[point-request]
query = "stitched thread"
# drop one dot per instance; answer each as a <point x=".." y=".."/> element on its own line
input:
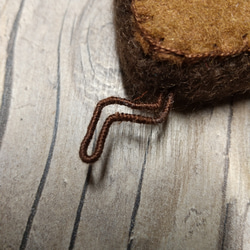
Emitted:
<point x="155" y="47"/>
<point x="163" y="108"/>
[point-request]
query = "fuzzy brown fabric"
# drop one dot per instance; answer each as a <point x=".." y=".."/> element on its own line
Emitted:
<point x="197" y="72"/>
<point x="193" y="29"/>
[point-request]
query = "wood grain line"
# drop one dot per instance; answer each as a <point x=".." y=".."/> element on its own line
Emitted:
<point x="244" y="221"/>
<point x="51" y="150"/>
<point x="8" y="77"/>
<point x="79" y="209"/>
<point x="138" y="197"/>
<point x="225" y="225"/>
<point x="81" y="202"/>
<point x="85" y="9"/>
<point x="88" y="50"/>
<point x="224" y="206"/>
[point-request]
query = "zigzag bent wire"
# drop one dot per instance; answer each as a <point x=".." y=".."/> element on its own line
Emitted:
<point x="162" y="107"/>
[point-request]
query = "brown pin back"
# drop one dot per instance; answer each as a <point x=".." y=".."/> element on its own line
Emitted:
<point x="196" y="52"/>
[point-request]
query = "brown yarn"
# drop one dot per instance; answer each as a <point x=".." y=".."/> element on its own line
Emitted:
<point x="162" y="106"/>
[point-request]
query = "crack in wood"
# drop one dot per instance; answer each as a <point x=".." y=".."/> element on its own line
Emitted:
<point x="8" y="77"/>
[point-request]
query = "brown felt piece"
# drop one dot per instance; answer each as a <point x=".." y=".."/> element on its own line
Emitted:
<point x="193" y="28"/>
<point x="197" y="49"/>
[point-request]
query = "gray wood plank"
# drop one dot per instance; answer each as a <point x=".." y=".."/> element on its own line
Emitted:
<point x="184" y="184"/>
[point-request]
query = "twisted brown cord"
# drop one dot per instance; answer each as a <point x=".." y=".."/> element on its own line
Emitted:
<point x="163" y="108"/>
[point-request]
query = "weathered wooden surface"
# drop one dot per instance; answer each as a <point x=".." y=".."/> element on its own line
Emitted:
<point x="181" y="185"/>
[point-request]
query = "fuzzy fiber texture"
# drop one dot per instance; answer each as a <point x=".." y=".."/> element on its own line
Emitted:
<point x="192" y="28"/>
<point x="197" y="49"/>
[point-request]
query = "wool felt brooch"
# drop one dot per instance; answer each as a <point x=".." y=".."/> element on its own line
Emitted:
<point x="191" y="52"/>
